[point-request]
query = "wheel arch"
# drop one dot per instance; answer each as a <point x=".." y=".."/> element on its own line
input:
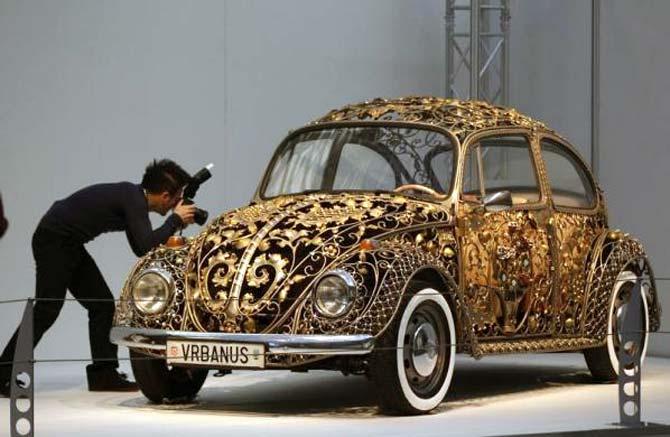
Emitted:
<point x="443" y="281"/>
<point x="613" y="252"/>
<point x="434" y="276"/>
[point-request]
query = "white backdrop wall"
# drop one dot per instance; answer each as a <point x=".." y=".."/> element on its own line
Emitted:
<point x="550" y="63"/>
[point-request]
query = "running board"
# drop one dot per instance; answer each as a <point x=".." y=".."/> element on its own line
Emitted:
<point x="536" y="345"/>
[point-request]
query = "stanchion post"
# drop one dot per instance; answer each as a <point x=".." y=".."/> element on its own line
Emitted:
<point x="630" y="350"/>
<point x="22" y="393"/>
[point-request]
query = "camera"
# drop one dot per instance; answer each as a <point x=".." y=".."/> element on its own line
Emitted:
<point x="191" y="189"/>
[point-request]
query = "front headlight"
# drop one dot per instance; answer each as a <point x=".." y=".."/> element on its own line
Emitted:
<point x="152" y="290"/>
<point x="335" y="293"/>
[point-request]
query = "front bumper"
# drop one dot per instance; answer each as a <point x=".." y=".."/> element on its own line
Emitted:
<point x="156" y="339"/>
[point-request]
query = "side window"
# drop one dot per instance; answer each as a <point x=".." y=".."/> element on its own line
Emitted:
<point x="569" y="180"/>
<point x="506" y="165"/>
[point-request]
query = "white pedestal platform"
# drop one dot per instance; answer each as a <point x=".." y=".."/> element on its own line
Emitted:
<point x="494" y="396"/>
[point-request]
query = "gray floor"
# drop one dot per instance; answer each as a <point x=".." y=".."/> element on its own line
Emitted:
<point x="494" y="396"/>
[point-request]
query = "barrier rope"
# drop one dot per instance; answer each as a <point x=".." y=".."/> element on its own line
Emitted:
<point x="11" y="301"/>
<point x="382" y="348"/>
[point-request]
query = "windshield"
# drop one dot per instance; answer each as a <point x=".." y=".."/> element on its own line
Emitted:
<point x="370" y="158"/>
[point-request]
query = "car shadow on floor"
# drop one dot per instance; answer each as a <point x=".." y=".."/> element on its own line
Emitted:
<point x="278" y="393"/>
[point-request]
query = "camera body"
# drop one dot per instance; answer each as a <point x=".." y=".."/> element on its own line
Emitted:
<point x="200" y="216"/>
<point x="190" y="190"/>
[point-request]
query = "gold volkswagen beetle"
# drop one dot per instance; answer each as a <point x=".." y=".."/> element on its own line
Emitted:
<point x="383" y="239"/>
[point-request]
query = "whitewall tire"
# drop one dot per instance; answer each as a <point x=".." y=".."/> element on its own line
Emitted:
<point x="414" y="361"/>
<point x="603" y="361"/>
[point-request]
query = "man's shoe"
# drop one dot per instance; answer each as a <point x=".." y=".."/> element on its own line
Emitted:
<point x="108" y="379"/>
<point x="5" y="377"/>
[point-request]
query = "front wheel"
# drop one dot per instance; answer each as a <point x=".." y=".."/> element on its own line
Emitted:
<point x="413" y="362"/>
<point x="603" y="361"/>
<point x="159" y="383"/>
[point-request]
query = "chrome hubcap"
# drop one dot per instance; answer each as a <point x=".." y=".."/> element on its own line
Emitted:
<point x="424" y="349"/>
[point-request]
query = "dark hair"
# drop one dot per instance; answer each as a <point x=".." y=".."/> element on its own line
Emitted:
<point x="164" y="175"/>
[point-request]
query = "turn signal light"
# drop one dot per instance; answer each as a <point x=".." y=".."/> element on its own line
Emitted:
<point x="368" y="245"/>
<point x="175" y="241"/>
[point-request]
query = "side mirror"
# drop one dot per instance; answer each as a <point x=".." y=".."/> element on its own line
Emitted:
<point x="498" y="201"/>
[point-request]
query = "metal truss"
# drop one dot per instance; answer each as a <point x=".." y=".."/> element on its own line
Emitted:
<point x="478" y="35"/>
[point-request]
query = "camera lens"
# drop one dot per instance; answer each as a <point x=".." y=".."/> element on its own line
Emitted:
<point x="200" y="216"/>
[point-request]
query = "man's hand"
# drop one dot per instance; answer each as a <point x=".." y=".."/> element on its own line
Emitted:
<point x="185" y="212"/>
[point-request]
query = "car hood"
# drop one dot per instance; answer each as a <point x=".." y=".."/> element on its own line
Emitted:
<point x="253" y="263"/>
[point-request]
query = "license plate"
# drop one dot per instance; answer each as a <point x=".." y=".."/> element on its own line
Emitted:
<point x="212" y="354"/>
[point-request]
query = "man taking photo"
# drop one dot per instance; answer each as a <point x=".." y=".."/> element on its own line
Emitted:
<point x="62" y="263"/>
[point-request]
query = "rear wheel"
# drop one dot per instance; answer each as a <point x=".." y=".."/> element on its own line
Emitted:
<point x="159" y="383"/>
<point x="413" y="363"/>
<point x="603" y="361"/>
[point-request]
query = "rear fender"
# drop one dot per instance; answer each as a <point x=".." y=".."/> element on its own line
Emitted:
<point x="613" y="252"/>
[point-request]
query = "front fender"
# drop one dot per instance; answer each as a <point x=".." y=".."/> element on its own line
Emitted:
<point x="382" y="275"/>
<point x="173" y="260"/>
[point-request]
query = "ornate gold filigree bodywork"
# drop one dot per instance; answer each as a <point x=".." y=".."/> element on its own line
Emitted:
<point x="614" y="252"/>
<point x="524" y="279"/>
<point x="460" y="117"/>
<point x="174" y="262"/>
<point x="253" y="269"/>
<point x="507" y="272"/>
<point x="575" y="237"/>
<point x="255" y="277"/>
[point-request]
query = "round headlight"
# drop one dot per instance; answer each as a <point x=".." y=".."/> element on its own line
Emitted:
<point x="335" y="293"/>
<point x="151" y="291"/>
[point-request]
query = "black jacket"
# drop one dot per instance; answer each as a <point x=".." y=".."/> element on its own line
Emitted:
<point x="102" y="208"/>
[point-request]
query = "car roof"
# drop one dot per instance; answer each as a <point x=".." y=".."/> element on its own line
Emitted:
<point x="460" y="117"/>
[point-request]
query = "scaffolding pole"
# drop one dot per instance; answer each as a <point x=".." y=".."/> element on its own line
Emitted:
<point x="477" y="50"/>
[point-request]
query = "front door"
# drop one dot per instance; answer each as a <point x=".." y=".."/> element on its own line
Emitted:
<point x="505" y="250"/>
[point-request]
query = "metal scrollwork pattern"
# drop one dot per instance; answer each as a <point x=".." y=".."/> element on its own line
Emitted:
<point x="461" y="117"/>
<point x="506" y="272"/>
<point x="252" y="268"/>
<point x="575" y="235"/>
<point x="381" y="276"/>
<point x="522" y="280"/>
<point x="614" y="252"/>
<point x="172" y="260"/>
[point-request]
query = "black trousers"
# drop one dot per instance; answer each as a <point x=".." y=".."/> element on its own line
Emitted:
<point x="61" y="265"/>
